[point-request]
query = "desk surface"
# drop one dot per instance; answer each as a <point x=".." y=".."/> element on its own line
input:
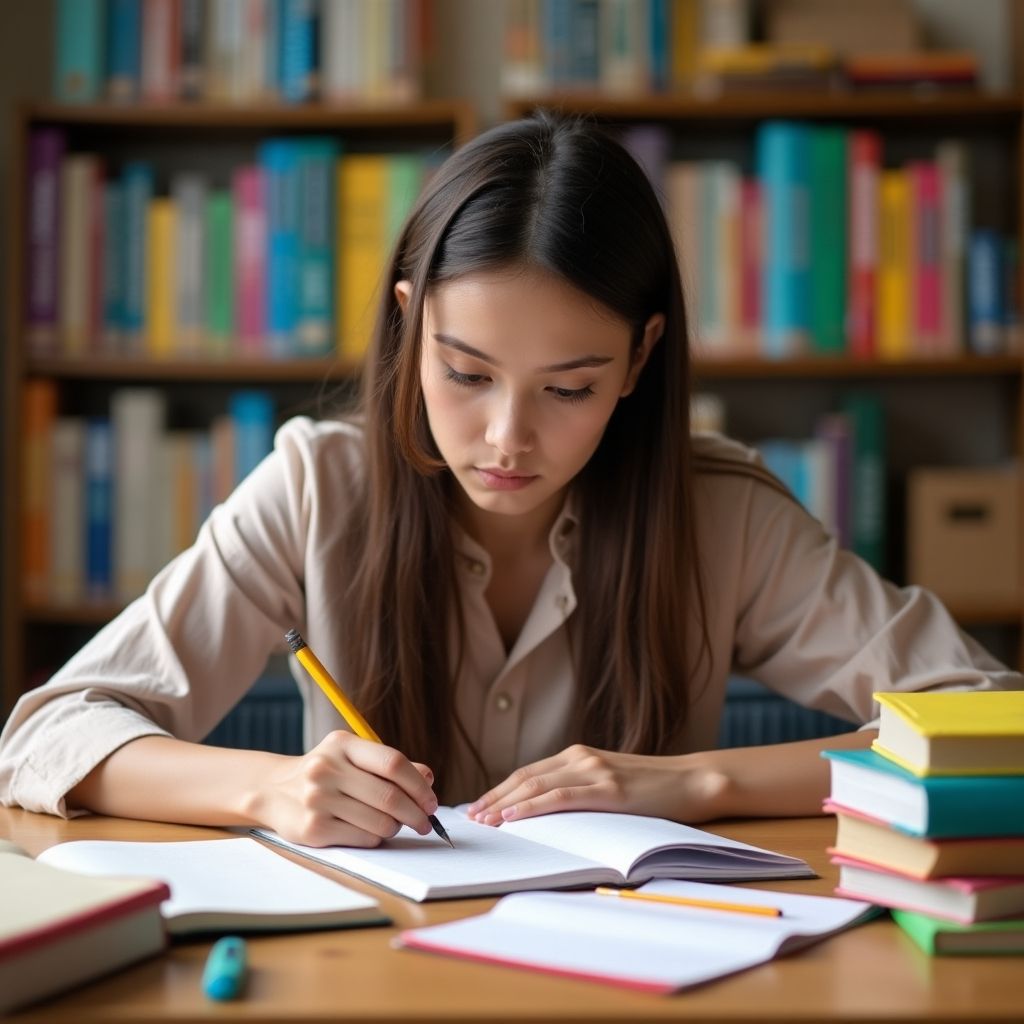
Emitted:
<point x="871" y="973"/>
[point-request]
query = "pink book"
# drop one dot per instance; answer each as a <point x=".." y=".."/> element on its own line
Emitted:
<point x="161" y="54"/>
<point x="750" y="264"/>
<point x="250" y="260"/>
<point x="927" y="270"/>
<point x="865" y="156"/>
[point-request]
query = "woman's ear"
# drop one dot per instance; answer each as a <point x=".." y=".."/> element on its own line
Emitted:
<point x="653" y="330"/>
<point x="403" y="292"/>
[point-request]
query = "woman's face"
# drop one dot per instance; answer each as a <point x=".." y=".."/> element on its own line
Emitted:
<point x="520" y="374"/>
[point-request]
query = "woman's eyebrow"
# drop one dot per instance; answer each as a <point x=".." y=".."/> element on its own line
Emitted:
<point x="570" y="364"/>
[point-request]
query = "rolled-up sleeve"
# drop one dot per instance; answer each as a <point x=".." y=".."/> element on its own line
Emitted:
<point x="818" y="625"/>
<point x="181" y="655"/>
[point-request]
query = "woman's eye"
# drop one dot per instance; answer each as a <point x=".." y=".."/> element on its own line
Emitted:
<point x="572" y="394"/>
<point x="466" y="380"/>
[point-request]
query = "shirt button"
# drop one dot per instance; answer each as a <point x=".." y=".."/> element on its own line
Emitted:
<point x="503" y="702"/>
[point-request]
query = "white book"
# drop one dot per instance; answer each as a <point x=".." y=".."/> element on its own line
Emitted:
<point x="553" y="851"/>
<point x="650" y="946"/>
<point x="137" y="416"/>
<point x="189" y="194"/>
<point x="224" y="884"/>
<point x="67" y="518"/>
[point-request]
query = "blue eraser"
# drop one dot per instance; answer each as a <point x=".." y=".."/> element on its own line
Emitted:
<point x="224" y="973"/>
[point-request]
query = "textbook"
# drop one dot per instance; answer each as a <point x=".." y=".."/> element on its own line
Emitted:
<point x="867" y="839"/>
<point x="218" y="885"/>
<point x="59" y="929"/>
<point x="641" y="945"/>
<point x="965" y="900"/>
<point x="938" y="938"/>
<point x="937" y="807"/>
<point x="552" y="851"/>
<point x="953" y="733"/>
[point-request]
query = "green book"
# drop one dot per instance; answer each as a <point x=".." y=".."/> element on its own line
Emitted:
<point x="405" y="179"/>
<point x="827" y="267"/>
<point x="947" y="938"/>
<point x="867" y="475"/>
<point x="220" y="271"/>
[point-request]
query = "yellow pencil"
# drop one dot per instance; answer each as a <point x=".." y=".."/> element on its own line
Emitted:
<point x="686" y="901"/>
<point x="334" y="693"/>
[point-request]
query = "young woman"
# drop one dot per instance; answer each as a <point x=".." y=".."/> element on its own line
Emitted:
<point x="513" y="556"/>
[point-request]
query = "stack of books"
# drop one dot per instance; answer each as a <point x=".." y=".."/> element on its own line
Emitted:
<point x="930" y="822"/>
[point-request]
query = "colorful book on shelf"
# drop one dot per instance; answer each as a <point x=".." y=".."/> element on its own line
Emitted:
<point x="224" y="885"/>
<point x="827" y="275"/>
<point x="279" y="165"/>
<point x="219" y="259"/>
<point x="926" y="286"/>
<point x="61" y="928"/>
<point x="867" y="476"/>
<point x="953" y="162"/>
<point x="46" y="154"/>
<point x="553" y="851"/>
<point x="639" y="944"/>
<point x="865" y="155"/>
<point x="124" y="50"/>
<point x="161" y="321"/>
<point x="873" y="841"/>
<point x="948" y="938"/>
<point x="940" y="807"/>
<point x="39" y="411"/>
<point x="953" y="732"/>
<point x="894" y="278"/>
<point x="79" y="57"/>
<point x="250" y="252"/>
<point x="986" y="308"/>
<point x="967" y="899"/>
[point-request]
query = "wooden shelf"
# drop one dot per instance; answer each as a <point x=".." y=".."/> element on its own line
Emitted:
<point x="843" y="366"/>
<point x="986" y="614"/>
<point x="834" y="105"/>
<point x="227" y="371"/>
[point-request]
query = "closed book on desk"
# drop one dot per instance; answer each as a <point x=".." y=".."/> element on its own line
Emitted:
<point x="953" y="733"/>
<point x="642" y="945"/>
<point x="957" y="899"/>
<point x="219" y="885"/>
<point x="938" y="938"/>
<point x="982" y="805"/>
<point x="552" y="851"/>
<point x="59" y="929"/>
<point x="868" y="839"/>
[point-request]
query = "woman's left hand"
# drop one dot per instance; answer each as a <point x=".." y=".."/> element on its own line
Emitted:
<point x="581" y="778"/>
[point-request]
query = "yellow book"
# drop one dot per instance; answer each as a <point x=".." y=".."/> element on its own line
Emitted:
<point x="953" y="732"/>
<point x="893" y="295"/>
<point x="362" y="248"/>
<point x="160" y="317"/>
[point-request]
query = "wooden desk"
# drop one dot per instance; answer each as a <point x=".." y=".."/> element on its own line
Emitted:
<point x="872" y="973"/>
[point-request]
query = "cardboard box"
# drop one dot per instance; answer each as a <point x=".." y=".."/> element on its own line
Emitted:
<point x="963" y="534"/>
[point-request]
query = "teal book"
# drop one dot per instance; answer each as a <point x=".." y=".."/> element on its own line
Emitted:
<point x="868" y="481"/>
<point x="78" y="61"/>
<point x="947" y="938"/>
<point x="827" y="271"/>
<point x="938" y="807"/>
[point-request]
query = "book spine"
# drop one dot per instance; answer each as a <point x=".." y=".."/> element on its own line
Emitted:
<point x="750" y="265"/>
<point x="113" y="270"/>
<point x="67" y="520"/>
<point x="220" y="273"/>
<point x="160" y="50"/>
<point x="252" y="66"/>
<point x="138" y="417"/>
<point x="46" y="154"/>
<point x="222" y="445"/>
<point x="867" y="477"/>
<point x="188" y="192"/>
<point x="557" y="29"/>
<point x="78" y="175"/>
<point x="40" y="412"/>
<point x="97" y="245"/>
<point x="272" y="48"/>
<point x="927" y="308"/>
<point x="79" y="59"/>
<point x="686" y="42"/>
<point x="625" y="64"/>
<point x="865" y="156"/>
<point x="252" y="414"/>
<point x="138" y="192"/>
<point x="250" y="222"/>
<point x="659" y="45"/>
<point x="281" y="169"/>
<point x="318" y="159"/>
<point x="783" y="165"/>
<point x="99" y="487"/>
<point x="894" y="266"/>
<point x="161" y="319"/>
<point x="191" y="77"/>
<point x="124" y="50"/>
<point x="297" y="65"/>
<point x="985" y="292"/>
<point x="827" y="272"/>
<point x="954" y="226"/>
<point x="585" y="44"/>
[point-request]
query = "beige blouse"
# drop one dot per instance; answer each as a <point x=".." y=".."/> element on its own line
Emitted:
<point x="785" y="605"/>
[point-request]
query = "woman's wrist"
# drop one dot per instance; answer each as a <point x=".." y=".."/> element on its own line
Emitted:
<point x="708" y="789"/>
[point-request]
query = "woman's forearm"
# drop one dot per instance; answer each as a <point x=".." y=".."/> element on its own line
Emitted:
<point x="776" y="781"/>
<point x="163" y="779"/>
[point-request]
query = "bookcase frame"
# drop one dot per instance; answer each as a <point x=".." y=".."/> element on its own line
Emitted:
<point x="440" y="122"/>
<point x="1000" y="114"/>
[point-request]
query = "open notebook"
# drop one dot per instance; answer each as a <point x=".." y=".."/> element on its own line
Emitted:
<point x="224" y="884"/>
<point x="554" y="851"/>
<point x="648" y="946"/>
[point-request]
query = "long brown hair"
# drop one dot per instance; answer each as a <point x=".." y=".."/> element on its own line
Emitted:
<point x="558" y="195"/>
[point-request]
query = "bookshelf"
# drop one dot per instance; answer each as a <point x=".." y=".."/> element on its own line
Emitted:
<point x="38" y="635"/>
<point x="959" y="409"/>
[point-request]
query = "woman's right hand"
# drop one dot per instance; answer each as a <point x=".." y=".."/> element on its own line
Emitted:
<point x="346" y="791"/>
